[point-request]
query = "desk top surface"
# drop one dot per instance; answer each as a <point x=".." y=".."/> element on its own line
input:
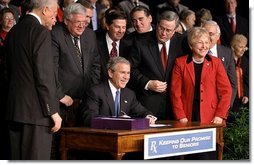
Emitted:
<point x="170" y="127"/>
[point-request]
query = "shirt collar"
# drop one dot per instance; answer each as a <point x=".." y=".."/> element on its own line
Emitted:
<point x="189" y="58"/>
<point x="36" y="16"/>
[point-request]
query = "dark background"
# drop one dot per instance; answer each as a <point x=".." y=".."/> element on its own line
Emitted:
<point x="215" y="6"/>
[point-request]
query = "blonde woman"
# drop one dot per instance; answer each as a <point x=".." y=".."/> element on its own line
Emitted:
<point x="239" y="46"/>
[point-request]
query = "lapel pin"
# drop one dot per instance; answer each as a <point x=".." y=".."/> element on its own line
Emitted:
<point x="223" y="59"/>
<point x="125" y="101"/>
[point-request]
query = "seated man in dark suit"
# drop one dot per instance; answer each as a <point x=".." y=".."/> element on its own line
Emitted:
<point x="100" y="100"/>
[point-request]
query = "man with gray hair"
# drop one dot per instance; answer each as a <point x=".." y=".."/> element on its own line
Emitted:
<point x="152" y="56"/>
<point x="76" y="62"/>
<point x="32" y="106"/>
<point x="222" y="52"/>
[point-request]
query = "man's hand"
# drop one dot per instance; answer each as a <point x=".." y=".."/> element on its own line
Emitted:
<point x="157" y="86"/>
<point x="57" y="122"/>
<point x="67" y="100"/>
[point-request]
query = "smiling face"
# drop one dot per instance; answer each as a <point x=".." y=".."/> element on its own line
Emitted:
<point x="120" y="76"/>
<point x="49" y="15"/>
<point x="77" y="24"/>
<point x="200" y="46"/>
<point x="141" y="22"/>
<point x="117" y="29"/>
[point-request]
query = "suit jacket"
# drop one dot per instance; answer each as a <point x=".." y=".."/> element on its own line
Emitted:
<point x="166" y="6"/>
<point x="146" y="65"/>
<point x="100" y="102"/>
<point x="98" y="8"/>
<point x="226" y="56"/>
<point x="104" y="53"/>
<point x="32" y="93"/>
<point x="242" y="27"/>
<point x="215" y="89"/>
<point x="72" y="79"/>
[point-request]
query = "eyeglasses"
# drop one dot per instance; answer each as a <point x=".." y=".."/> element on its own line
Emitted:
<point x="9" y="18"/>
<point x="211" y="34"/>
<point x="168" y="31"/>
<point x="77" y="23"/>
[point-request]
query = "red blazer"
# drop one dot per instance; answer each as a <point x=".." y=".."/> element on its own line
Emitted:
<point x="215" y="89"/>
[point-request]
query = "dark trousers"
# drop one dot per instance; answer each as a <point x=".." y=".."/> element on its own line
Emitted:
<point x="29" y="142"/>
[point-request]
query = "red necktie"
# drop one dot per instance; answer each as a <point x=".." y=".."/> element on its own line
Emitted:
<point x="164" y="56"/>
<point x="113" y="52"/>
<point x="232" y="23"/>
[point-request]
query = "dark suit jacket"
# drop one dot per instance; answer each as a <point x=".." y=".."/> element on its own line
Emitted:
<point x="147" y="65"/>
<point x="71" y="78"/>
<point x="104" y="53"/>
<point x="226" y="56"/>
<point x="242" y="27"/>
<point x="100" y="102"/>
<point x="32" y="92"/>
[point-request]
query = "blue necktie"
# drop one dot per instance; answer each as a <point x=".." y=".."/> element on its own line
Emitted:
<point x="117" y="103"/>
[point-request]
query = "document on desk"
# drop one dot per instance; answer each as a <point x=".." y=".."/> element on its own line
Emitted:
<point x="159" y="125"/>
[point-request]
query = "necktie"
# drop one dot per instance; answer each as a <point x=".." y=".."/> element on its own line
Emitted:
<point x="117" y="103"/>
<point x="239" y="76"/>
<point x="94" y="18"/>
<point x="78" y="53"/>
<point x="232" y="23"/>
<point x="163" y="54"/>
<point x="113" y="52"/>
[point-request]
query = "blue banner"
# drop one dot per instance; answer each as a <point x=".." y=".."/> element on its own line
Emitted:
<point x="179" y="143"/>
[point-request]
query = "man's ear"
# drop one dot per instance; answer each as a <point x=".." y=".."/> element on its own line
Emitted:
<point x="110" y="73"/>
<point x="44" y="10"/>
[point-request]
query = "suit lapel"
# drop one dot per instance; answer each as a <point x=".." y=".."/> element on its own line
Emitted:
<point x="109" y="98"/>
<point x="124" y="101"/>
<point x="221" y="55"/>
<point x="84" y="49"/>
<point x="190" y="68"/>
<point x="155" y="53"/>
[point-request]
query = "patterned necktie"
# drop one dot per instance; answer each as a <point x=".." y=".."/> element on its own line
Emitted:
<point x="117" y="103"/>
<point x="78" y="53"/>
<point x="113" y="52"/>
<point x="232" y="23"/>
<point x="163" y="54"/>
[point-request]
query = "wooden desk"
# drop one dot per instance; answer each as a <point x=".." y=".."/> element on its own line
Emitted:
<point x="119" y="142"/>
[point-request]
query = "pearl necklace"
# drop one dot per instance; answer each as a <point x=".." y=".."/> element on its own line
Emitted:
<point x="197" y="62"/>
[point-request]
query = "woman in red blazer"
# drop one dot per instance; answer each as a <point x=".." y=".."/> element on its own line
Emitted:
<point x="200" y="88"/>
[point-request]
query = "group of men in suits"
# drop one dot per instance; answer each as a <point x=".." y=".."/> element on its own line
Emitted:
<point x="79" y="61"/>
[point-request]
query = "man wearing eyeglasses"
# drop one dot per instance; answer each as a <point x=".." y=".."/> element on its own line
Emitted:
<point x="152" y="57"/>
<point x="222" y="52"/>
<point x="76" y="61"/>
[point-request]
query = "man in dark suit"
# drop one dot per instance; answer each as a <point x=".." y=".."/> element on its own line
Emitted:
<point x="76" y="69"/>
<point x="101" y="98"/>
<point x="116" y="28"/>
<point x="241" y="24"/>
<point x="76" y="62"/>
<point x="150" y="78"/>
<point x="222" y="52"/>
<point x="32" y="106"/>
